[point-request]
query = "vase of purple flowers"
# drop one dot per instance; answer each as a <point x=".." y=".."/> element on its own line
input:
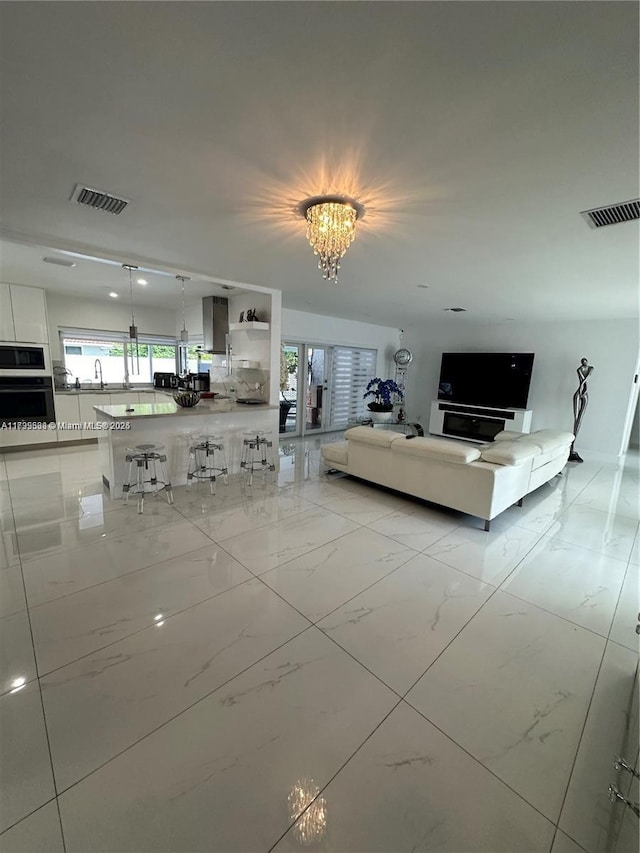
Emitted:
<point x="382" y="391"/>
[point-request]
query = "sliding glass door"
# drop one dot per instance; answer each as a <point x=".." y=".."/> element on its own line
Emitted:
<point x="324" y="387"/>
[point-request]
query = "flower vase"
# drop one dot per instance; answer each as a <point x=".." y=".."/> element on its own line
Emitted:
<point x="382" y="417"/>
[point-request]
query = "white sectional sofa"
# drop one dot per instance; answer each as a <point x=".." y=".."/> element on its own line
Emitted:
<point x="482" y="480"/>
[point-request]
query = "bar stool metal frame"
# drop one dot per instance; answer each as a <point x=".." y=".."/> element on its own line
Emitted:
<point x="148" y="458"/>
<point x="200" y="468"/>
<point x="255" y="452"/>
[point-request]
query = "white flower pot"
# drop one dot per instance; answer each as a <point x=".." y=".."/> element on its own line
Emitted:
<point x="382" y="417"/>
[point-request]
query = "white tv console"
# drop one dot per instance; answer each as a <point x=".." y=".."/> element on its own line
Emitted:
<point x="476" y="423"/>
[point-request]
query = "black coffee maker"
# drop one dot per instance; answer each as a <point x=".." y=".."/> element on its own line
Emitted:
<point x="200" y="381"/>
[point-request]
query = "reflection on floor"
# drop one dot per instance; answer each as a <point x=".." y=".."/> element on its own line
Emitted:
<point x="312" y="663"/>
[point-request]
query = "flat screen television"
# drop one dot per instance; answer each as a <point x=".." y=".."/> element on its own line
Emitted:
<point x="497" y="379"/>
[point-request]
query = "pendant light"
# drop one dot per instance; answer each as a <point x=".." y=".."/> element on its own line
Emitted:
<point x="133" y="329"/>
<point x="184" y="334"/>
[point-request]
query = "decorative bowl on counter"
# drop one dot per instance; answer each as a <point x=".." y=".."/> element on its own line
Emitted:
<point x="186" y="399"/>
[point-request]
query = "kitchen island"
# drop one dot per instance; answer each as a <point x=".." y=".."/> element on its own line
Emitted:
<point x="123" y="426"/>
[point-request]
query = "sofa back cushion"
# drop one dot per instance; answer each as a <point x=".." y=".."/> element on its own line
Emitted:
<point x="367" y="435"/>
<point x="550" y="439"/>
<point x="434" y="448"/>
<point x="518" y="452"/>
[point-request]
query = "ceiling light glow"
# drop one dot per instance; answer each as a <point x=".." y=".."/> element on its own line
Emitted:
<point x="142" y="281"/>
<point x="113" y="294"/>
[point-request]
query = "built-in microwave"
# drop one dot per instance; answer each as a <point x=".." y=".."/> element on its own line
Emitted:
<point x="18" y="359"/>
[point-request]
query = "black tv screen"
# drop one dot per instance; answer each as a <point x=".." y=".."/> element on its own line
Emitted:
<point x="496" y="379"/>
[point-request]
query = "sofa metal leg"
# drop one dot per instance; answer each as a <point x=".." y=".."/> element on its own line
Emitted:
<point x="487" y="525"/>
<point x="520" y="502"/>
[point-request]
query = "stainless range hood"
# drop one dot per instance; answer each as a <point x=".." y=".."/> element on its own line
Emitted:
<point x="215" y="324"/>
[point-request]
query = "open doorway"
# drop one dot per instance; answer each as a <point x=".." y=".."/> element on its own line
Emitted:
<point x="322" y="387"/>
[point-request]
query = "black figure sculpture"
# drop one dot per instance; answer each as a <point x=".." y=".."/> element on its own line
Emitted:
<point x="580" y="401"/>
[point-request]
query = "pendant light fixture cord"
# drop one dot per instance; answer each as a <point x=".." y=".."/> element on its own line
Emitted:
<point x="133" y="329"/>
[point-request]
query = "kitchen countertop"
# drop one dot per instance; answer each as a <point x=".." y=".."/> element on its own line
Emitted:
<point x="171" y="409"/>
<point x="109" y="390"/>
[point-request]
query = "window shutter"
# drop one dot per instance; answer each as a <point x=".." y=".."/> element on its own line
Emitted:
<point x="352" y="370"/>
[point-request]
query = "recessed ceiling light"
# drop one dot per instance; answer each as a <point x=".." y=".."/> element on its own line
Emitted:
<point x="142" y="281"/>
<point x="113" y="294"/>
<point x="455" y="310"/>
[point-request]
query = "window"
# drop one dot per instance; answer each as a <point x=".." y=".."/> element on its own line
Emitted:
<point x="81" y="348"/>
<point x="352" y="369"/>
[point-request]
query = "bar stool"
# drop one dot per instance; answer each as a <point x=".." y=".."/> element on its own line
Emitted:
<point x="150" y="461"/>
<point x="256" y="452"/>
<point x="207" y="458"/>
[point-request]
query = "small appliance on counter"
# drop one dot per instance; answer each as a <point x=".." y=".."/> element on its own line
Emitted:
<point x="201" y="381"/>
<point x="165" y="380"/>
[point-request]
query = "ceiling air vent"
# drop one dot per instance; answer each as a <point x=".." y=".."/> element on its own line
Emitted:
<point x="455" y="310"/>
<point x="98" y="199"/>
<point x="612" y="214"/>
<point x="59" y="262"/>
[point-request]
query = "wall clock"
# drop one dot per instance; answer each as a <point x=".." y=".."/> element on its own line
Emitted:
<point x="403" y="357"/>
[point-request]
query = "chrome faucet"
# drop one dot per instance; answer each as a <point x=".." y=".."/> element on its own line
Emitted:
<point x="97" y="364"/>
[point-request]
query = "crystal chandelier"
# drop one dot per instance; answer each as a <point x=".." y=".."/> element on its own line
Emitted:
<point x="331" y="229"/>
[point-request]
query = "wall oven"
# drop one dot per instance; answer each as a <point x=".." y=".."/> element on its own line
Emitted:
<point x="24" y="359"/>
<point x="26" y="399"/>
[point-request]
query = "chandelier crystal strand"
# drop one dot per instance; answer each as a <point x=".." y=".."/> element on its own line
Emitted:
<point x="331" y="228"/>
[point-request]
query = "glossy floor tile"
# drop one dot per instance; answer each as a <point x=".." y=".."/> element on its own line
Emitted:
<point x="400" y="625"/>
<point x="570" y="581"/>
<point x="490" y="557"/>
<point x="40" y="832"/>
<point x="600" y="531"/>
<point x="320" y="581"/>
<point x="123" y="692"/>
<point x="410" y="788"/>
<point x="529" y="702"/>
<point x="26" y="780"/>
<point x="17" y="663"/>
<point x="228" y="673"/>
<point x="297" y="714"/>
<point x="71" y="627"/>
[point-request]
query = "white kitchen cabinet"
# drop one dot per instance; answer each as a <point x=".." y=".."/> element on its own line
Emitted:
<point x="67" y="410"/>
<point x="126" y="398"/>
<point x="87" y="413"/>
<point x="19" y="437"/>
<point x="29" y="314"/>
<point x="7" y="331"/>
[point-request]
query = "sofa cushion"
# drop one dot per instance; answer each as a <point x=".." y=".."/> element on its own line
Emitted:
<point x="508" y="435"/>
<point x="550" y="439"/>
<point x="434" y="448"/>
<point x="368" y="435"/>
<point x="336" y="453"/>
<point x="516" y="452"/>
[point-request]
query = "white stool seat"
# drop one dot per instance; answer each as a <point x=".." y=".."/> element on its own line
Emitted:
<point x="150" y="461"/>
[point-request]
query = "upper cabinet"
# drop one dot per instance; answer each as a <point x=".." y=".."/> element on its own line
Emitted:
<point x="23" y="315"/>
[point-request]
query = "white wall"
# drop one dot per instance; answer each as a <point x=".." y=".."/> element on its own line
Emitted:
<point x="300" y="326"/>
<point x="611" y="346"/>
<point x="634" y="439"/>
<point x="111" y="315"/>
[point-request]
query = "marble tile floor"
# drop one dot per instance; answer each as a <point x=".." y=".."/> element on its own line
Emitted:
<point x="312" y="664"/>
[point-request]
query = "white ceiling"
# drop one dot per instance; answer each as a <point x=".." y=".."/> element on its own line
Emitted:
<point x="473" y="132"/>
